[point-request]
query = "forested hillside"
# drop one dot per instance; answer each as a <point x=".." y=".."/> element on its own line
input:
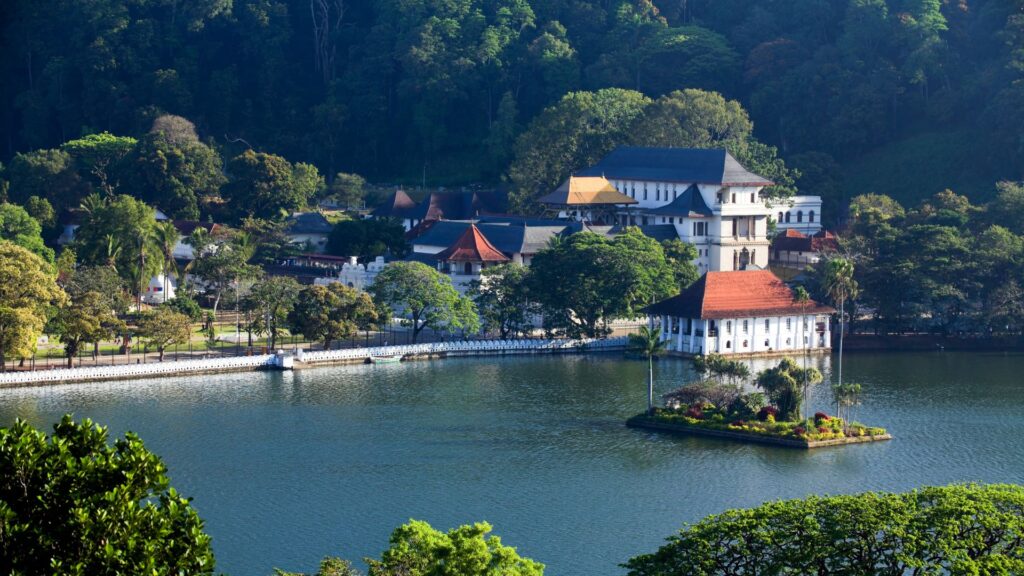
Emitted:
<point x="906" y="96"/>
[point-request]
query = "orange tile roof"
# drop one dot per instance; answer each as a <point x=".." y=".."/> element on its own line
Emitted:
<point x="472" y="246"/>
<point x="745" y="293"/>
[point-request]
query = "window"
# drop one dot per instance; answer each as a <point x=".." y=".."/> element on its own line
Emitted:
<point x="787" y="217"/>
<point x="728" y="344"/>
<point x="810" y="216"/>
<point x="719" y="197"/>
<point x="645" y="191"/>
<point x="733" y="199"/>
<point x="728" y="327"/>
<point x="752" y="200"/>
<point x="780" y="217"/>
<point x="746" y="326"/>
<point x="767" y="344"/>
<point x="767" y="324"/>
<point x="789" y="323"/>
<point x="805" y="323"/>
<point x="799" y="215"/>
<point x="744" y="343"/>
<point x="469" y="268"/>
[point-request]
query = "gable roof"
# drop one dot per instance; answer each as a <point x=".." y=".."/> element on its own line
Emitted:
<point x="736" y="294"/>
<point x="396" y="206"/>
<point x="586" y="190"/>
<point x="692" y="165"/>
<point x="308" y="223"/>
<point x="689" y="204"/>
<point x="472" y="246"/>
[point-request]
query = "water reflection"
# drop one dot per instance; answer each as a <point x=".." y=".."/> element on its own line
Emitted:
<point x="286" y="468"/>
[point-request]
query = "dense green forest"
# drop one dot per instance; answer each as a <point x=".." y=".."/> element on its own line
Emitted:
<point x="902" y="97"/>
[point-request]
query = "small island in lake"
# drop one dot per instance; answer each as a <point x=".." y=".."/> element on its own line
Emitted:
<point x="718" y="407"/>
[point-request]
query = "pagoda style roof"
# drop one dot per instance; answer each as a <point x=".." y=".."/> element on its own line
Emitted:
<point x="689" y="204"/>
<point x="737" y="294"/>
<point x="586" y="191"/>
<point x="397" y="205"/>
<point x="472" y="246"/>
<point x="690" y="165"/>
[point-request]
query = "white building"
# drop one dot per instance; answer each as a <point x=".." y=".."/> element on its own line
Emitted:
<point x="749" y="312"/>
<point x="353" y="274"/>
<point x="309" y="230"/>
<point x="712" y="201"/>
<point x="802" y="214"/>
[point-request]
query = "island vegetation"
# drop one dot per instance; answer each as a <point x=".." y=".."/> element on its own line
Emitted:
<point x="718" y="406"/>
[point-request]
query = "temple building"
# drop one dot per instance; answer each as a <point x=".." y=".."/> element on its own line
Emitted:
<point x="587" y="199"/>
<point x="440" y="206"/>
<point x="707" y="195"/>
<point x="467" y="257"/>
<point x="749" y="312"/>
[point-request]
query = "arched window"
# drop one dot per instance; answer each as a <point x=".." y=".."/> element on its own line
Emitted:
<point x="810" y="217"/>
<point x="800" y="216"/>
<point x="787" y="217"/>
<point x="780" y="217"/>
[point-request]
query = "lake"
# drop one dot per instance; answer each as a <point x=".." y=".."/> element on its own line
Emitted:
<point x="288" y="467"/>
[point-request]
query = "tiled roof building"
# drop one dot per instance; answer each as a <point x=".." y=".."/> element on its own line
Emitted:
<point x="742" y="312"/>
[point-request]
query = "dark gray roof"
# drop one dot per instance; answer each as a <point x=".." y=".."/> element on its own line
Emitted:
<point x="688" y="204"/>
<point x="308" y="223"/>
<point x="692" y="165"/>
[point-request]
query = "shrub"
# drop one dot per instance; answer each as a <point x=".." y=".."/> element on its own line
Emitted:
<point x="820" y="417"/>
<point x="695" y="412"/>
<point x="767" y="412"/>
<point x="747" y="405"/>
<point x="183" y="304"/>
<point x="799" y="431"/>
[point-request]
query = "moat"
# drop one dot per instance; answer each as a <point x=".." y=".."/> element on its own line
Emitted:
<point x="288" y="467"/>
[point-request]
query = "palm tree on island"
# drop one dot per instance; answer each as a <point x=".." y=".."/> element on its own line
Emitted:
<point x="839" y="285"/>
<point x="647" y="342"/>
<point x="803" y="299"/>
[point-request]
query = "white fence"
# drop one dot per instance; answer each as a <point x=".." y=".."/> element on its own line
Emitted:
<point x="269" y="360"/>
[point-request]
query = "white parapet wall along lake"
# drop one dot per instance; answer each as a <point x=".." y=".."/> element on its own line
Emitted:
<point x="284" y="360"/>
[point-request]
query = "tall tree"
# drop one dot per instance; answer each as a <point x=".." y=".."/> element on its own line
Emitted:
<point x="840" y="286"/>
<point x="86" y="318"/>
<point x="332" y="312"/>
<point x="502" y="296"/>
<point x="266" y="186"/>
<point x="424" y="297"/>
<point x="273" y="299"/>
<point x="648" y="342"/>
<point x="18" y="227"/>
<point x="28" y="289"/>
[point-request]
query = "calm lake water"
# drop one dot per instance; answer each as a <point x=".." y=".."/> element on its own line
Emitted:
<point x="287" y="468"/>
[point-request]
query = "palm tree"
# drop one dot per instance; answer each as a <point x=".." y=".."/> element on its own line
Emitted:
<point x="166" y="237"/>
<point x="803" y="299"/>
<point x="839" y="285"/>
<point x="648" y="342"/>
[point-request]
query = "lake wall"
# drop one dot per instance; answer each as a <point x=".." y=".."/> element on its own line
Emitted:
<point x="283" y="360"/>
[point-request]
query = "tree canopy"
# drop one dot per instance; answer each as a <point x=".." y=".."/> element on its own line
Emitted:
<point x="962" y="529"/>
<point x="425" y="298"/>
<point x="71" y="503"/>
<point x="28" y="289"/>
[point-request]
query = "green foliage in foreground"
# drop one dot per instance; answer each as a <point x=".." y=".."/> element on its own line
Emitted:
<point x="417" y="549"/>
<point x="961" y="529"/>
<point x="71" y="504"/>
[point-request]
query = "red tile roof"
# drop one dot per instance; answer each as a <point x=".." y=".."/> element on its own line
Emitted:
<point x="794" y="241"/>
<point x="745" y="293"/>
<point x="472" y="246"/>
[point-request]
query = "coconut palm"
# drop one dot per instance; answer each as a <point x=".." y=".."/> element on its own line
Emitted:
<point x="166" y="237"/>
<point x="648" y="342"/>
<point x="839" y="285"/>
<point x="802" y="298"/>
